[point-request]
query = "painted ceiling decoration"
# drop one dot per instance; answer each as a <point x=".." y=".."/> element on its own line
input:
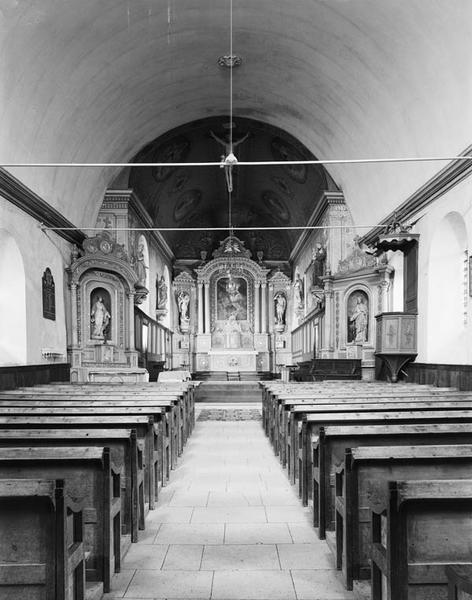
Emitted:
<point x="278" y="196"/>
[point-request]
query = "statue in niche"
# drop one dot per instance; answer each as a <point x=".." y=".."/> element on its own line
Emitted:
<point x="298" y="294"/>
<point x="161" y="293"/>
<point x="99" y="319"/>
<point x="140" y="266"/>
<point x="280" y="306"/>
<point x="183" y="300"/>
<point x="358" y="318"/>
<point x="319" y="260"/>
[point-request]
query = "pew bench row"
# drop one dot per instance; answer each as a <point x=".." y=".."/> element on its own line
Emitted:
<point x="109" y="453"/>
<point x="389" y="475"/>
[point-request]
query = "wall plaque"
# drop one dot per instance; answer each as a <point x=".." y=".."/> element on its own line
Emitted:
<point x="49" y="295"/>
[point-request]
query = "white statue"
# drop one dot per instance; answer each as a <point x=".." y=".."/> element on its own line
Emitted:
<point x="280" y="305"/>
<point x="183" y="300"/>
<point x="140" y="266"/>
<point x="360" y="319"/>
<point x="100" y="317"/>
<point x="161" y="293"/>
<point x="298" y="292"/>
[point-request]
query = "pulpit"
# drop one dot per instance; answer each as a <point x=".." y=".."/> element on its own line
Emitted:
<point x="396" y="340"/>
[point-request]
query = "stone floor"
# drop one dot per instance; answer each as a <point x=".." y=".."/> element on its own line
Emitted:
<point x="228" y="527"/>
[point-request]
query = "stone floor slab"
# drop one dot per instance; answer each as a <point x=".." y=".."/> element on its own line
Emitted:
<point x="236" y="514"/>
<point x="170" y="584"/>
<point x="305" y="556"/>
<point x="319" y="585"/>
<point x="268" y="533"/>
<point x="252" y="585"/>
<point x="240" y="557"/>
<point x="179" y="533"/>
<point x="183" y="557"/>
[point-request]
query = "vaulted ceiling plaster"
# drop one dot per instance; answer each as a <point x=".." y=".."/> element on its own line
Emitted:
<point x="95" y="80"/>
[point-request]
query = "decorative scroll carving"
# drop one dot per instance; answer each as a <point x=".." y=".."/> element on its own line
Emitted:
<point x="104" y="244"/>
<point x="357" y="260"/>
<point x="49" y="295"/>
<point x="232" y="246"/>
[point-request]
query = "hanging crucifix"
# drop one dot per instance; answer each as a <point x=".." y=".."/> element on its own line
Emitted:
<point x="228" y="159"/>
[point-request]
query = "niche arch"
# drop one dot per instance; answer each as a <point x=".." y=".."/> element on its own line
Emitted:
<point x="445" y="326"/>
<point x="349" y="307"/>
<point x="13" y="330"/>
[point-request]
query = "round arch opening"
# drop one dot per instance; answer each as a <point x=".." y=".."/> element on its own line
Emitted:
<point x="445" y="326"/>
<point x="13" y="345"/>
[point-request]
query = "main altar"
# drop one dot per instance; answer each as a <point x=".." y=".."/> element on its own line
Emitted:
<point x="230" y="321"/>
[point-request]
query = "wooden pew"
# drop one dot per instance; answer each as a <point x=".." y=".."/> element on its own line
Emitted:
<point x="275" y="393"/>
<point x="146" y="430"/>
<point x="294" y="408"/>
<point x="383" y="415"/>
<point x="41" y="541"/>
<point x="419" y="527"/>
<point x="168" y="408"/>
<point x="329" y="446"/>
<point x="293" y="412"/>
<point x="366" y="470"/>
<point x="283" y="402"/>
<point x="459" y="579"/>
<point x="160" y="412"/>
<point x="90" y="478"/>
<point x="126" y="453"/>
<point x="185" y="393"/>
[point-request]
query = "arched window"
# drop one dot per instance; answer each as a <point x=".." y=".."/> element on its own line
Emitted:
<point x="445" y="331"/>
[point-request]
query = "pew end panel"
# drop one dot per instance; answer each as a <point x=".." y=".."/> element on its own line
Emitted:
<point x="41" y="541"/>
<point x="418" y="529"/>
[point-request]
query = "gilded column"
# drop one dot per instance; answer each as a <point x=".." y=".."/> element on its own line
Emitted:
<point x="207" y="307"/>
<point x="264" y="308"/>
<point x="131" y="321"/>
<point x="73" y="295"/>
<point x="200" y="307"/>
<point x="257" y="307"/>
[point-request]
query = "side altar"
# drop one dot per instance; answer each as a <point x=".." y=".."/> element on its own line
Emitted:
<point x="232" y="303"/>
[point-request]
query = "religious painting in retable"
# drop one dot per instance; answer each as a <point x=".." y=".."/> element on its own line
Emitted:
<point x="231" y="298"/>
<point x="358" y="317"/>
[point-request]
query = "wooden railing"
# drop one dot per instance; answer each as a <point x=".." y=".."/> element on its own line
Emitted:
<point x="305" y="340"/>
<point x="153" y="342"/>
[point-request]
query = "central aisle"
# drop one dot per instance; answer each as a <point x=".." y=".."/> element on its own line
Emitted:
<point x="228" y="527"/>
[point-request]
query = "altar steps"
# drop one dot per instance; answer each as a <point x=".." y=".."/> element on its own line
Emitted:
<point x="232" y="376"/>
<point x="228" y="392"/>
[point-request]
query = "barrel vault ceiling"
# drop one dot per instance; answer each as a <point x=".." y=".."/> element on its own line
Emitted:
<point x="100" y="80"/>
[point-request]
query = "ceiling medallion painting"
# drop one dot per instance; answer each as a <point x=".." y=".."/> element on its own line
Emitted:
<point x="277" y="208"/>
<point x="187" y="204"/>
<point x="174" y="151"/>
<point x="283" y="150"/>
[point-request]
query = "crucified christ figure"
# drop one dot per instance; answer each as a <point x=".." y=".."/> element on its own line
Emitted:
<point x="229" y="159"/>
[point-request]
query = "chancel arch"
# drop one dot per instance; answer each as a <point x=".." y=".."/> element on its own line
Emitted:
<point x="448" y="292"/>
<point x="13" y="344"/>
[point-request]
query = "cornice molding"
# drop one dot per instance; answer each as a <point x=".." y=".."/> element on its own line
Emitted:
<point x="129" y="196"/>
<point x="16" y="192"/>
<point x="447" y="178"/>
<point x="327" y="198"/>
